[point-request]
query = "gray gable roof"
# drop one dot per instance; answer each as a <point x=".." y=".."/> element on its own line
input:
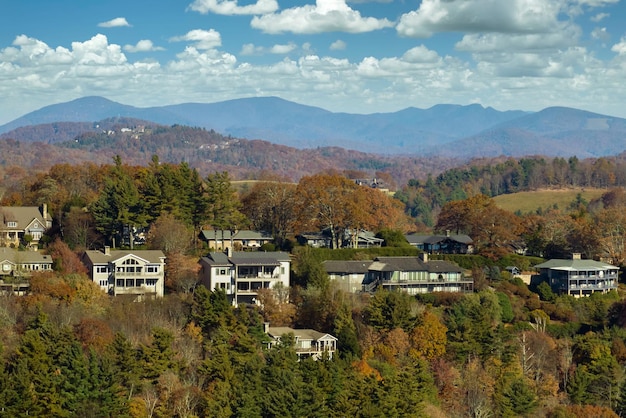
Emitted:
<point x="348" y="267"/>
<point x="246" y="258"/>
<point x="210" y="235"/>
<point x="413" y="264"/>
<point x="434" y="239"/>
<point x="99" y="257"/>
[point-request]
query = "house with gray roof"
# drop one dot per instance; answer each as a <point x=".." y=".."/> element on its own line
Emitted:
<point x="416" y="275"/>
<point x="240" y="274"/>
<point x="138" y="273"/>
<point x="23" y="225"/>
<point x="22" y="263"/>
<point x="577" y="277"/>
<point x="240" y="240"/>
<point x="413" y="275"/>
<point x="309" y="343"/>
<point x="442" y="244"/>
<point x="349" y="275"/>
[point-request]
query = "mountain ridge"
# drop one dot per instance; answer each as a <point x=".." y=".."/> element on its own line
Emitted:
<point x="449" y="130"/>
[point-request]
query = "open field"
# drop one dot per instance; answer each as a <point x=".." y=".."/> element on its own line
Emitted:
<point x="531" y="201"/>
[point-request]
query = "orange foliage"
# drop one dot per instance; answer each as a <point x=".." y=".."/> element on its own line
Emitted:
<point x="94" y="333"/>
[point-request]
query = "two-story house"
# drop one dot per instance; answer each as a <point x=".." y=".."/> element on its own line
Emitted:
<point x="241" y="239"/>
<point x="139" y="273"/>
<point x="308" y="342"/>
<point x="413" y="275"/>
<point x="577" y="277"/>
<point x="241" y="273"/>
<point x="23" y="225"/>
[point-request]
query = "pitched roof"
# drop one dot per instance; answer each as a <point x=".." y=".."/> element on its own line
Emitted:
<point x="23" y="215"/>
<point x="211" y="235"/>
<point x="14" y="256"/>
<point x="302" y="334"/>
<point x="99" y="257"/>
<point x="575" y="265"/>
<point x="247" y="258"/>
<point x="344" y="266"/>
<point x="434" y="239"/>
<point x="413" y="264"/>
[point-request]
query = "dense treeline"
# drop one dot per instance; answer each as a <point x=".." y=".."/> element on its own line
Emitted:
<point x="504" y="350"/>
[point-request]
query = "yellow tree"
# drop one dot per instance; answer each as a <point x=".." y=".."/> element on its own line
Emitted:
<point x="428" y="339"/>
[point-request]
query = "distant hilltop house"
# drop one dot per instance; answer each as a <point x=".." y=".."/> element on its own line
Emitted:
<point x="577" y="277"/>
<point x="414" y="275"/>
<point x="442" y="244"/>
<point x="237" y="240"/>
<point x="241" y="274"/>
<point x="308" y="342"/>
<point x="23" y="225"/>
<point x="138" y="273"/>
<point x="351" y="239"/>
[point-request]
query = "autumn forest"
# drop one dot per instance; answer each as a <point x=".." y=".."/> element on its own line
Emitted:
<point x="507" y="349"/>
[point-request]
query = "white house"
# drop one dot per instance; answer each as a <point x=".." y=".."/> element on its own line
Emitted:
<point x="139" y="273"/>
<point x="241" y="273"/>
<point x="308" y="342"/>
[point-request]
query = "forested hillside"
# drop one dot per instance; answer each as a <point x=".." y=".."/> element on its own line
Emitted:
<point x="506" y="349"/>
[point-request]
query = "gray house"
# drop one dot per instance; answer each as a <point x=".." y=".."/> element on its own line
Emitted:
<point x="577" y="277"/>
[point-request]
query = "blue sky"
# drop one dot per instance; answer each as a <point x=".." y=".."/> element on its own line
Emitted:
<point x="360" y="56"/>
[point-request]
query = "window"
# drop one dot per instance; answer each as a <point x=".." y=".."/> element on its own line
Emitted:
<point x="12" y="224"/>
<point x="282" y="270"/>
<point x="119" y="283"/>
<point x="152" y="269"/>
<point x="139" y="282"/>
<point x="151" y="282"/>
<point x="104" y="283"/>
<point x="102" y="269"/>
<point x="223" y="272"/>
<point x="130" y="282"/>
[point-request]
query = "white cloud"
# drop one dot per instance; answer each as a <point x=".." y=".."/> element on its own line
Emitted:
<point x="114" y="23"/>
<point x="283" y="49"/>
<point x="203" y="39"/>
<point x="620" y="48"/>
<point x="325" y="16"/>
<point x="231" y="7"/>
<point x="475" y="16"/>
<point x="338" y="45"/>
<point x="599" y="17"/>
<point x="144" y="45"/>
<point x="251" y="49"/>
<point x="491" y="42"/>
<point x="420" y="54"/>
<point x="600" y="34"/>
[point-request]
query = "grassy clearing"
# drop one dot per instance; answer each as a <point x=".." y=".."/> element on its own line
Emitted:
<point x="526" y="202"/>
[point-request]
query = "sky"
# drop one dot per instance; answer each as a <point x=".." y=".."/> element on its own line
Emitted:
<point x="355" y="56"/>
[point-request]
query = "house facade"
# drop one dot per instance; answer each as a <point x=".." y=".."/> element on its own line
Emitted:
<point x="349" y="275"/>
<point x="308" y="342"/>
<point x="240" y="274"/>
<point x="413" y="275"/>
<point x="16" y="263"/>
<point x="416" y="275"/>
<point x="577" y="277"/>
<point x="442" y="244"/>
<point x="23" y="225"/>
<point x="240" y="240"/>
<point x="139" y="273"/>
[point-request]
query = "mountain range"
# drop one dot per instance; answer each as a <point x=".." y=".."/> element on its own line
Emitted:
<point x="450" y="131"/>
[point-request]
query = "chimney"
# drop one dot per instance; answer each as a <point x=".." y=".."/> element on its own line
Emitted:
<point x="576" y="256"/>
<point x="44" y="211"/>
<point x="423" y="257"/>
<point x="107" y="250"/>
<point x="229" y="251"/>
<point x="266" y="327"/>
<point x="447" y="233"/>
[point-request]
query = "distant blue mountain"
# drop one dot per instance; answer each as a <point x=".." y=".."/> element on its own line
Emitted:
<point x="449" y="130"/>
